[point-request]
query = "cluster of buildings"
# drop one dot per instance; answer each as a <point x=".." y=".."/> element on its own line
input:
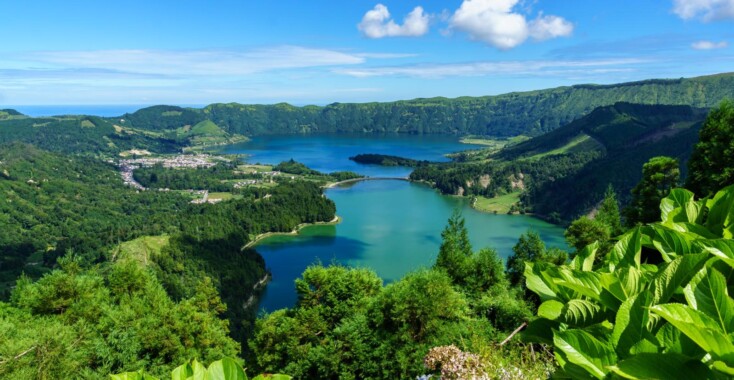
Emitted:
<point x="180" y="161"/>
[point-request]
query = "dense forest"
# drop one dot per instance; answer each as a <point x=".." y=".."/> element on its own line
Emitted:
<point x="74" y="209"/>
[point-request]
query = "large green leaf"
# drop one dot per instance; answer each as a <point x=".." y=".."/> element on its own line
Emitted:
<point x="676" y="274"/>
<point x="672" y="243"/>
<point x="721" y="212"/>
<point x="624" y="283"/>
<point x="535" y="281"/>
<point x="551" y="309"/>
<point x="707" y="292"/>
<point x="539" y="330"/>
<point x="139" y="375"/>
<point x="672" y="340"/>
<point x="584" y="260"/>
<point x="626" y="252"/>
<point x="701" y="328"/>
<point x="182" y="372"/>
<point x="225" y="369"/>
<point x="662" y="367"/>
<point x="631" y="323"/>
<point x="576" y="312"/>
<point x="721" y="248"/>
<point x="582" y="349"/>
<point x="579" y="282"/>
<point x="679" y="207"/>
<point x="582" y="313"/>
<point x="274" y="376"/>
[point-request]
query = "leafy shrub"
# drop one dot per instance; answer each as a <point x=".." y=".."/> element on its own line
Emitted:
<point x="636" y="320"/>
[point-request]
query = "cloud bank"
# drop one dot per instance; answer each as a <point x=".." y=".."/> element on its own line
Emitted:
<point x="377" y="23"/>
<point x="709" y="45"/>
<point x="496" y="23"/>
<point x="706" y="10"/>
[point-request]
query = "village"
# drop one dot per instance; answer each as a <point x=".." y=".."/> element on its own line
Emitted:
<point x="127" y="166"/>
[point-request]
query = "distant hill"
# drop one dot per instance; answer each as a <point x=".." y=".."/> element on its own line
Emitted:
<point x="566" y="171"/>
<point x="531" y="113"/>
<point x="629" y="135"/>
<point x="166" y="129"/>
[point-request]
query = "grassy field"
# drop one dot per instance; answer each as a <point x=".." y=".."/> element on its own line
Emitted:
<point x="223" y="196"/>
<point x="499" y="205"/>
<point x="582" y="142"/>
<point x="140" y="249"/>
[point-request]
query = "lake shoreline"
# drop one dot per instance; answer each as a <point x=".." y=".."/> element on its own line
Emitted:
<point x="337" y="219"/>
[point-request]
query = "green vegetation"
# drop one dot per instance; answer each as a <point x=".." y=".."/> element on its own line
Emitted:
<point x="566" y="172"/>
<point x="659" y="176"/>
<point x="529" y="113"/>
<point x="712" y="163"/>
<point x="386" y="160"/>
<point x="87" y="323"/>
<point x="635" y="319"/>
<point x="224" y="369"/>
<point x="501" y="204"/>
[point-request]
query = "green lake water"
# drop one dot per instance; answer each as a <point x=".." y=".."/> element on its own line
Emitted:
<point x="390" y="226"/>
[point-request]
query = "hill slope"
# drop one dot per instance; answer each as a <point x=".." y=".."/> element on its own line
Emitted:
<point x="567" y="170"/>
<point x="532" y="113"/>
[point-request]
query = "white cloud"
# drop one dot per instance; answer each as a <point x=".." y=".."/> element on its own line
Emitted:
<point x="709" y="45"/>
<point x="377" y="23"/>
<point x="707" y="10"/>
<point x="547" y="27"/>
<point x="498" y="68"/>
<point x="495" y="22"/>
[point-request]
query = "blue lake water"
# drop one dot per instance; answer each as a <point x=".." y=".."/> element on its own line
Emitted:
<point x="390" y="226"/>
<point x="329" y="153"/>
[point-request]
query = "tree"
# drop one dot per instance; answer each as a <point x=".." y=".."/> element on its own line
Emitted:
<point x="529" y="247"/>
<point x="711" y="166"/>
<point x="455" y="251"/>
<point x="584" y="231"/>
<point x="659" y="175"/>
<point x="609" y="212"/>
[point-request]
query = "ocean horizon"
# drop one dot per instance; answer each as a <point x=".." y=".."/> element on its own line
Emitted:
<point x="81" y="109"/>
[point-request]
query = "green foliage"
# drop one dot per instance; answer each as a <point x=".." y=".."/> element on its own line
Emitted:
<point x="223" y="369"/>
<point x="659" y="176"/>
<point x="530" y="248"/>
<point x="608" y="212"/>
<point x="712" y="163"/>
<point x="531" y="113"/>
<point x="638" y="320"/>
<point x="455" y="249"/>
<point x="86" y="323"/>
<point x="346" y="325"/>
<point x="386" y="160"/>
<point x="584" y="231"/>
<point x="293" y="167"/>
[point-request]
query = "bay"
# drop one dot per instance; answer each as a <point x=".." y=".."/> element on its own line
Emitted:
<point x="392" y="227"/>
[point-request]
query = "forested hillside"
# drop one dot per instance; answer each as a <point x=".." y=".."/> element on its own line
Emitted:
<point x="565" y="172"/>
<point x="531" y="113"/>
<point x="77" y="207"/>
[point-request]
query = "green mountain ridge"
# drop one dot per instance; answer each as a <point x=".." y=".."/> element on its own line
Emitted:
<point x="531" y="113"/>
<point x="566" y="171"/>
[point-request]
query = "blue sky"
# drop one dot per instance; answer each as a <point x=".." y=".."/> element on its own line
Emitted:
<point x="318" y="52"/>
